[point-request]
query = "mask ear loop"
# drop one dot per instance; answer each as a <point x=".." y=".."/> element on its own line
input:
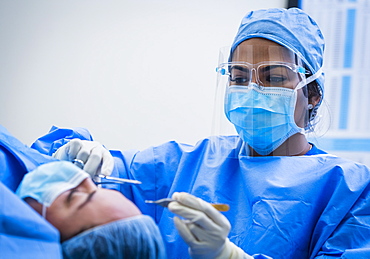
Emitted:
<point x="305" y="82"/>
<point x="44" y="211"/>
<point x="308" y="80"/>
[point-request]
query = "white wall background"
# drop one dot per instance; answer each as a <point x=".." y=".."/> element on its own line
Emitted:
<point x="135" y="73"/>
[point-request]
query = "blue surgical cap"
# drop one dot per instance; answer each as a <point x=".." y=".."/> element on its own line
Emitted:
<point x="48" y="181"/>
<point x="291" y="28"/>
<point x="134" y="237"/>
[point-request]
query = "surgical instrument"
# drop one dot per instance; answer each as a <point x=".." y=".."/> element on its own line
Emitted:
<point x="117" y="180"/>
<point x="164" y="203"/>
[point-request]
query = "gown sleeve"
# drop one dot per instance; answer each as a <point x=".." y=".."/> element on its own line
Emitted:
<point x="58" y="137"/>
<point x="155" y="167"/>
<point x="351" y="238"/>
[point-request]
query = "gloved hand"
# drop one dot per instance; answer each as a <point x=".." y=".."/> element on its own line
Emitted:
<point x="204" y="229"/>
<point x="90" y="156"/>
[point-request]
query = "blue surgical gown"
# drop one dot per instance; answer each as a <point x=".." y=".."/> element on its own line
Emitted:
<point x="312" y="206"/>
<point x="23" y="232"/>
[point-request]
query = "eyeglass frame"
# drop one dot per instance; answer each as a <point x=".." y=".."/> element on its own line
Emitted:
<point x="300" y="70"/>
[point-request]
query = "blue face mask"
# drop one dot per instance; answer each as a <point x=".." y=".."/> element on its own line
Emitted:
<point x="48" y="181"/>
<point x="263" y="118"/>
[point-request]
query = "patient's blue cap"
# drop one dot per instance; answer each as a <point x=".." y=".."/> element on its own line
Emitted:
<point x="291" y="28"/>
<point x="48" y="181"/>
<point x="134" y="237"/>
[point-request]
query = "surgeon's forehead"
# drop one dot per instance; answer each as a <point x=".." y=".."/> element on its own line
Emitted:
<point x="258" y="50"/>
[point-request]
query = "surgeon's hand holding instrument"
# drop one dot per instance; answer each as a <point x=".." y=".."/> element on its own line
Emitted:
<point x="91" y="156"/>
<point x="204" y="229"/>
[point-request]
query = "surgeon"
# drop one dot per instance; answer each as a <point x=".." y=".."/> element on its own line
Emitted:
<point x="287" y="198"/>
<point x="93" y="222"/>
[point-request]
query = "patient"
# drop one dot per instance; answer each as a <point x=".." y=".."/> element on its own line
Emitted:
<point x="93" y="222"/>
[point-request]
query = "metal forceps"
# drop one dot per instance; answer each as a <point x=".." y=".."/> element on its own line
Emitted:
<point x="116" y="180"/>
<point x="164" y="203"/>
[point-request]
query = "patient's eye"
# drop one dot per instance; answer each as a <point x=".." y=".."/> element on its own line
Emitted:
<point x="70" y="195"/>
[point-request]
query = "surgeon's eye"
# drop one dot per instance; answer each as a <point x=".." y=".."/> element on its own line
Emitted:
<point x="239" y="80"/>
<point x="277" y="75"/>
<point x="239" y="75"/>
<point x="275" y="79"/>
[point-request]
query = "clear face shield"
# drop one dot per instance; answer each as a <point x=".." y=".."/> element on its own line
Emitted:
<point x="262" y="97"/>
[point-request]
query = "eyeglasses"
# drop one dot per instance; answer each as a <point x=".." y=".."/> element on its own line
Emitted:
<point x="266" y="74"/>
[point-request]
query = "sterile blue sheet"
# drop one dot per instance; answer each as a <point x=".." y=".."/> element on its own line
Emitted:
<point x="23" y="232"/>
<point x="312" y="206"/>
<point x="17" y="159"/>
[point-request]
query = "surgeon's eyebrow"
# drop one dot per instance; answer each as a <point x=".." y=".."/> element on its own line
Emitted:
<point x="89" y="197"/>
<point x="271" y="67"/>
<point x="241" y="68"/>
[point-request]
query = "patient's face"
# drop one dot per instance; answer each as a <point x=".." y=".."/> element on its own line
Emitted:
<point x="85" y="207"/>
